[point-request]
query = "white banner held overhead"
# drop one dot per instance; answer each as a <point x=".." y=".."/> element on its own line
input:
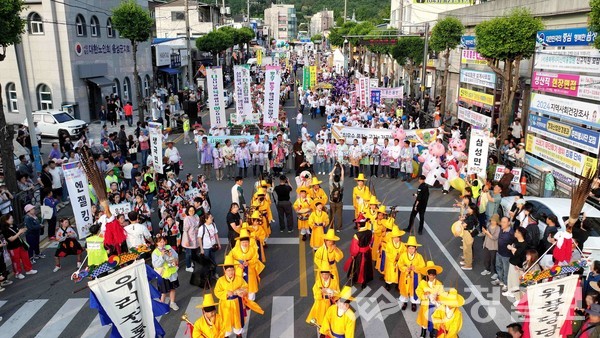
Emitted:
<point x="478" y="152"/>
<point x="548" y="306"/>
<point x="216" y="98"/>
<point x="243" y="104"/>
<point x="391" y="93"/>
<point x="79" y="195"/>
<point x="271" y="100"/>
<point x="156" y="144"/>
<point x="121" y="208"/>
<point x="125" y="296"/>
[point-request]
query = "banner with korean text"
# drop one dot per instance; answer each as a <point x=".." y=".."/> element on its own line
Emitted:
<point x="79" y="195"/>
<point x="375" y="96"/>
<point x="121" y="208"/>
<point x="156" y="145"/>
<point x="363" y="89"/>
<point x="125" y="297"/>
<point x="475" y="98"/>
<point x="575" y="111"/>
<point x="305" y="78"/>
<point x="477" y="78"/>
<point x="243" y="104"/>
<point x="474" y="118"/>
<point x="560" y="156"/>
<point x="584" y="61"/>
<point x="259" y="57"/>
<point x="271" y="100"/>
<point x="579" y="36"/>
<point x="216" y="97"/>
<point x="549" y="306"/>
<point x="390" y="93"/>
<point x="515" y="171"/>
<point x="478" y="152"/>
<point x="579" y="137"/>
<point x="556" y="83"/>
<point x="472" y="57"/>
<point x="313" y="76"/>
<point x="422" y="137"/>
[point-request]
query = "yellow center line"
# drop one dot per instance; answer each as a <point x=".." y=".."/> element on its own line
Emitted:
<point x="302" y="257"/>
<point x="178" y="138"/>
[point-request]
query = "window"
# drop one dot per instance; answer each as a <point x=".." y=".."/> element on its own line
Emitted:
<point x="36" y="26"/>
<point x="126" y="88"/>
<point x="109" y="30"/>
<point x="94" y="26"/>
<point x="80" y="25"/>
<point x="11" y="96"/>
<point x="44" y="96"/>
<point x="49" y="119"/>
<point x="177" y="16"/>
<point x="116" y="89"/>
<point x="147" y="86"/>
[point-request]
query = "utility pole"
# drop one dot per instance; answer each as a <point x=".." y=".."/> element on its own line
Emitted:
<point x="425" y="54"/>
<point x="248" y="11"/>
<point x="188" y="42"/>
<point x="345" y="7"/>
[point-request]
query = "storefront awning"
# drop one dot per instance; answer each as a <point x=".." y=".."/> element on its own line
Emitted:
<point x="100" y="81"/>
<point x="169" y="70"/>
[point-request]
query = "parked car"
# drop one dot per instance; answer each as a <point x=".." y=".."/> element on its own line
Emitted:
<point x="55" y="123"/>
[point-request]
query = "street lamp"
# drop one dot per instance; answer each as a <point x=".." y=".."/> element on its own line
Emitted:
<point x="345" y="56"/>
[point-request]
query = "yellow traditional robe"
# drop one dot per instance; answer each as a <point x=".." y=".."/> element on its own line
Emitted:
<point x="322" y="300"/>
<point x="323" y="254"/>
<point x="391" y="274"/>
<point x="302" y="204"/>
<point x="447" y="326"/>
<point x="255" y="266"/>
<point x="318" y="196"/>
<point x="334" y="324"/>
<point x="409" y="279"/>
<point x="434" y="289"/>
<point x="258" y="239"/>
<point x="365" y="196"/>
<point x="379" y="231"/>
<point x="267" y="215"/>
<point x="204" y="329"/>
<point x="317" y="221"/>
<point x="230" y="309"/>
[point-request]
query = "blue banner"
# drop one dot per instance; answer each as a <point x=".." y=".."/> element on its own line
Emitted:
<point x="375" y="96"/>
<point x="467" y="41"/>
<point x="565" y="37"/>
<point x="575" y="136"/>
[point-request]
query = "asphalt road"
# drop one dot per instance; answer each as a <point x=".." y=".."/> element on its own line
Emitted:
<point x="50" y="305"/>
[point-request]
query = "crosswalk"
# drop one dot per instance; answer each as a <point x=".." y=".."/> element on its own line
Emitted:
<point x="284" y="320"/>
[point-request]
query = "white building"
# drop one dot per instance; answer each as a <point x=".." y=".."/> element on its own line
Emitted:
<point x="73" y="56"/>
<point x="282" y="23"/>
<point x="404" y="13"/>
<point x="321" y="21"/>
<point x="170" y="19"/>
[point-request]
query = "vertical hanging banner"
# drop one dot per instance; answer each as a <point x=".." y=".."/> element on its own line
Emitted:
<point x="243" y="107"/>
<point x="125" y="297"/>
<point x="246" y="92"/>
<point x="259" y="57"/>
<point x="363" y="91"/>
<point x="305" y="78"/>
<point x="478" y="152"/>
<point x="271" y="103"/>
<point x="156" y="139"/>
<point x="79" y="194"/>
<point x="313" y="76"/>
<point x="353" y="99"/>
<point x="216" y="99"/>
<point x="375" y="96"/>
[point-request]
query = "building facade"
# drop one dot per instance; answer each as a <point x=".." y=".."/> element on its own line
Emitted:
<point x="73" y="59"/>
<point x="321" y="22"/>
<point x="170" y="19"/>
<point x="282" y="22"/>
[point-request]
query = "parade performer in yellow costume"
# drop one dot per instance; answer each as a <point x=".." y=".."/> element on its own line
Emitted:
<point x="210" y="325"/>
<point x="316" y="193"/>
<point x="303" y="205"/>
<point x="370" y="210"/>
<point x="360" y="194"/>
<point x="447" y="319"/>
<point x="258" y="233"/>
<point x="317" y="221"/>
<point x="394" y="248"/>
<point x="329" y="253"/>
<point x="340" y="320"/>
<point x="409" y="264"/>
<point x="324" y="289"/>
<point x="388" y="225"/>
<point x="378" y="228"/>
<point x="231" y="290"/>
<point x="263" y="205"/>
<point x="428" y="291"/>
<point x="248" y="265"/>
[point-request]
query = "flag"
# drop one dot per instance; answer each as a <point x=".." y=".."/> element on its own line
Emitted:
<point x="271" y="102"/>
<point x="79" y="195"/>
<point x="216" y="98"/>
<point x="156" y="140"/>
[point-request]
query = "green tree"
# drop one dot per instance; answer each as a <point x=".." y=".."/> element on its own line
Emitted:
<point x="11" y="28"/>
<point x="594" y="20"/>
<point x="445" y="36"/>
<point x="246" y="35"/>
<point x="317" y="38"/>
<point x="381" y="49"/>
<point x="360" y="29"/>
<point x="215" y="42"/>
<point x="337" y="34"/>
<point x="133" y="22"/>
<point x="408" y="52"/>
<point x="504" y="42"/>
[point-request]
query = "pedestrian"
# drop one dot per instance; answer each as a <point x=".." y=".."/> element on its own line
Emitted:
<point x="409" y="265"/>
<point x="189" y="237"/>
<point x="67" y="243"/>
<point x="205" y="151"/>
<point x="428" y="291"/>
<point x="186" y="129"/>
<point x="165" y="262"/>
<point x="234" y="223"/>
<point x="34" y="228"/>
<point x="447" y="318"/>
<point x="250" y="264"/>
<point x="218" y="162"/>
<point x="336" y="196"/>
<point x="210" y="324"/>
<point x="339" y="318"/>
<point x="284" y="204"/>
<point x="231" y="290"/>
<point x="591" y="326"/>
<point x="51" y="202"/>
<point x="324" y="289"/>
<point x="420" y="205"/>
<point x="518" y="250"/>
<point x="237" y="193"/>
<point x="302" y="205"/>
<point x="208" y="237"/>
<point x="470" y="223"/>
<point x="137" y="234"/>
<point x="490" y="246"/>
<point x="242" y="157"/>
<point x="360" y="263"/>
<point x="143" y="141"/>
<point x="317" y="221"/>
<point x="174" y="156"/>
<point x="102" y="114"/>
<point x="228" y="153"/>
<point x="128" y="110"/>
<point x="16" y="246"/>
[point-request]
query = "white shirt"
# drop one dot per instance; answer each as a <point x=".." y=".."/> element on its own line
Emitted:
<point x="56" y="177"/>
<point x="207" y="233"/>
<point x="299" y="118"/>
<point x="173" y="155"/>
<point x="136" y="233"/>
<point x="127" y="167"/>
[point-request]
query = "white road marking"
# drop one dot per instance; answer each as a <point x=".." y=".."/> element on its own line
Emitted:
<point x="374" y="327"/>
<point x="16" y="322"/>
<point x="96" y="330"/>
<point x="411" y="320"/>
<point x="282" y="317"/>
<point x="193" y="314"/>
<point x="62" y="318"/>
<point x="429" y="209"/>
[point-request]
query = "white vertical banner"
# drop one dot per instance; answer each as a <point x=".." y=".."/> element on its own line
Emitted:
<point x="478" y="152"/>
<point x="243" y="103"/>
<point x="548" y="307"/>
<point x="216" y="99"/>
<point x="363" y="84"/>
<point x="125" y="297"/>
<point x="79" y="195"/>
<point x="156" y="143"/>
<point x="271" y="101"/>
<point x="246" y="92"/>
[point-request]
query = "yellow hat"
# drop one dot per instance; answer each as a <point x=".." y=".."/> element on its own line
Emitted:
<point x="430" y="266"/>
<point x="396" y="232"/>
<point x="244" y="233"/>
<point x="382" y="209"/>
<point x="330" y="236"/>
<point x="264" y="183"/>
<point x="389" y="223"/>
<point x="301" y="189"/>
<point x="451" y="298"/>
<point x="457" y="228"/>
<point x="346" y="294"/>
<point x="207" y="301"/>
<point x="315" y="181"/>
<point x="229" y="261"/>
<point x="361" y="177"/>
<point x="255" y="215"/>
<point x="374" y="200"/>
<point x="412" y="241"/>
<point x="324" y="267"/>
<point x="256" y="203"/>
<point x="260" y="191"/>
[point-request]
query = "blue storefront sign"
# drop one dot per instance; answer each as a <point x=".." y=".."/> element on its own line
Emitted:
<point x="575" y="136"/>
<point x="565" y="37"/>
<point x="467" y="41"/>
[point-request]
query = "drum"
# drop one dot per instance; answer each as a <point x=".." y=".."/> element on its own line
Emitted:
<point x="457" y="228"/>
<point x="303" y="214"/>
